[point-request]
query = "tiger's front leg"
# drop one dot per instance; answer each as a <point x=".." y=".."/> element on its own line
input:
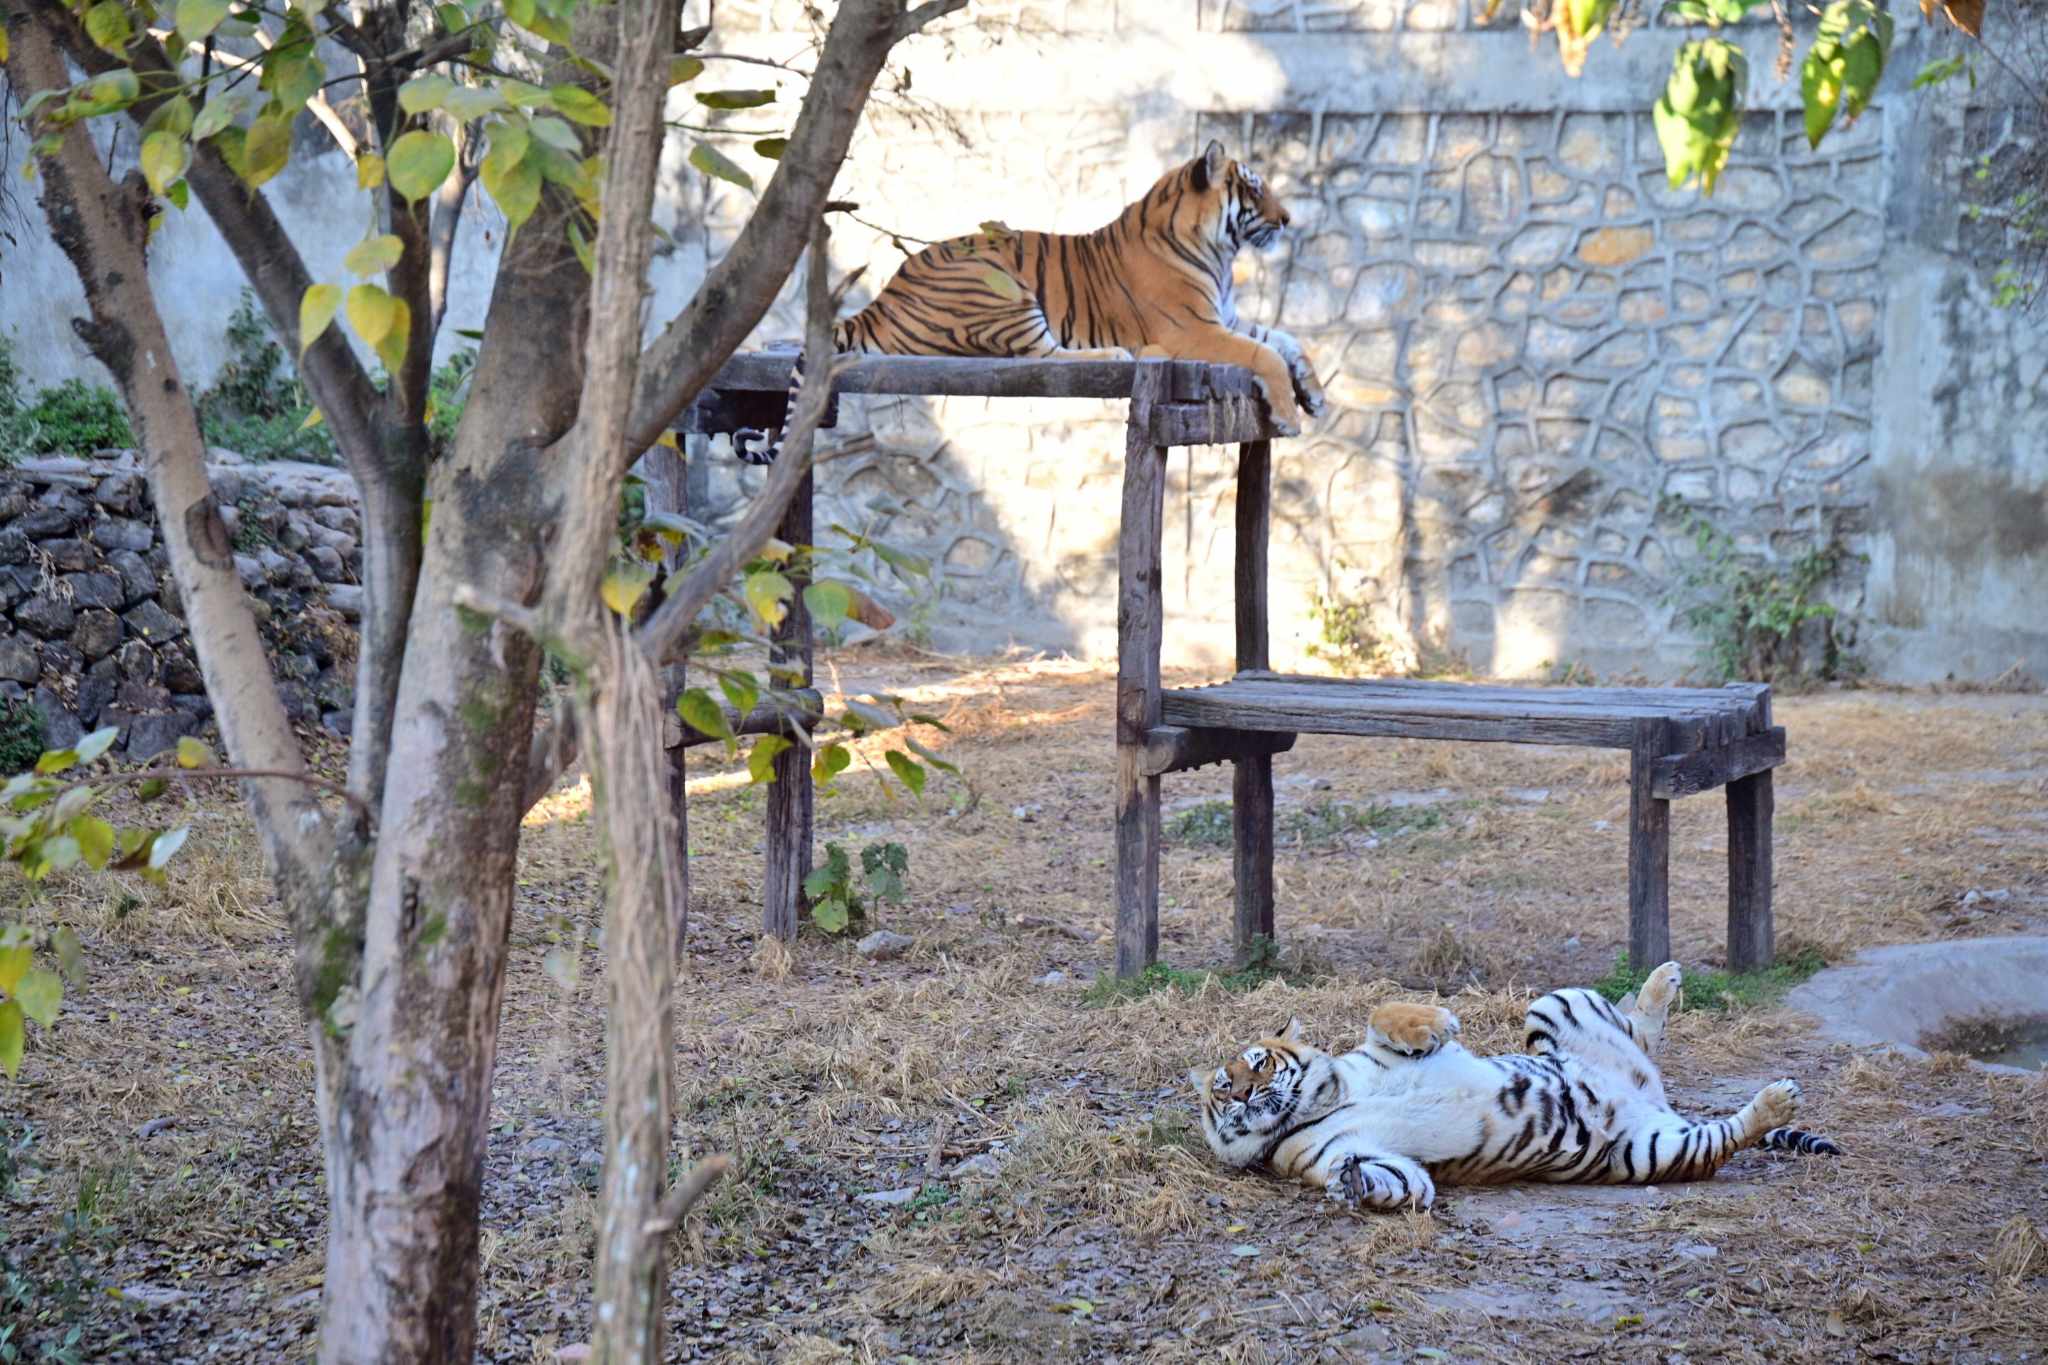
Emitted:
<point x="1218" y="345"/>
<point x="1308" y="390"/>
<point x="1372" y="1180"/>
<point x="1409" y="1032"/>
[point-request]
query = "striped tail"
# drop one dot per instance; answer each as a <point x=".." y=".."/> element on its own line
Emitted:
<point x="1798" y="1140"/>
<point x="756" y="446"/>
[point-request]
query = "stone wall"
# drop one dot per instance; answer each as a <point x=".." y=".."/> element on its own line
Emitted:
<point x="1534" y="347"/>
<point x="90" y="627"/>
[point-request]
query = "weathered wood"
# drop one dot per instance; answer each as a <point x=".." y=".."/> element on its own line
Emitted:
<point x="718" y="411"/>
<point x="1335" y="710"/>
<point x="1738" y="705"/>
<point x="1678" y="775"/>
<point x="1183" y="381"/>
<point x="1139" y="626"/>
<point x="1251" y="784"/>
<point x="1173" y="748"/>
<point x="790" y="796"/>
<point x="801" y="705"/>
<point x="1220" y="421"/>
<point x="1649" y="850"/>
<point x="1752" y="806"/>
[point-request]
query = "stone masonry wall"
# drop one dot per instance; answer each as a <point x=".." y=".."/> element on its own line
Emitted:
<point x="1536" y="351"/>
<point x="90" y="627"/>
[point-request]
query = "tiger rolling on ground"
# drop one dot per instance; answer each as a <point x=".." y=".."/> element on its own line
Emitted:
<point x="1155" y="282"/>
<point x="1378" y="1127"/>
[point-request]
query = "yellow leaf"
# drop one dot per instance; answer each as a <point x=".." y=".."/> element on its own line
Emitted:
<point x="369" y="171"/>
<point x="316" y="309"/>
<point x="391" y="350"/>
<point x="266" y="148"/>
<point x="624" y="586"/>
<point x="373" y="255"/>
<point x="165" y="155"/>
<point x="372" y="312"/>
<point x="193" y="753"/>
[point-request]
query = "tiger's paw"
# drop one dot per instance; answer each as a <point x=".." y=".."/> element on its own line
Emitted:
<point x="1653" y="1002"/>
<point x="1411" y="1030"/>
<point x="1308" y="391"/>
<point x="1776" y="1104"/>
<point x="1368" y="1183"/>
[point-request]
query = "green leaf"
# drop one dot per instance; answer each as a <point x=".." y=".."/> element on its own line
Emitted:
<point x="220" y="111"/>
<point x="902" y="561"/>
<point x="625" y="585"/>
<point x="316" y="309"/>
<point x="95" y="840"/>
<point x="15" y="961"/>
<point x="468" y="102"/>
<point x="928" y="756"/>
<point x="55" y="761"/>
<point x="166" y="844"/>
<point x="40" y="994"/>
<point x="829" y="914"/>
<point x="702" y="714"/>
<point x="173" y="115"/>
<point x="266" y="148"/>
<point x="829" y="603"/>
<point x="681" y="69"/>
<point x="193" y="753"/>
<point x="579" y="104"/>
<point x="831" y="761"/>
<point x="70" y="956"/>
<point x="761" y="759"/>
<point x="13" y="1038"/>
<point x="713" y="162"/>
<point x="906" y="770"/>
<point x="423" y="93"/>
<point x="419" y="162"/>
<point x="373" y="255"/>
<point x="97" y="743"/>
<point x="771" y="147"/>
<point x="107" y="25"/>
<point x="863" y="716"/>
<point x="554" y="133"/>
<point x="510" y="176"/>
<point x="179" y="194"/>
<point x="580" y="244"/>
<point x="165" y="155"/>
<point x="767" y="594"/>
<point x="391" y="350"/>
<point x="151" y="790"/>
<point x="197" y="18"/>
<point x="735" y="99"/>
<point x="292" y="74"/>
<point x="372" y="312"/>
<point x="740" y="689"/>
<point x="61" y="852"/>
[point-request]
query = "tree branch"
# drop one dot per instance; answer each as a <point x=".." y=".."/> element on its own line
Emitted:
<point x="740" y="287"/>
<point x="680" y="1200"/>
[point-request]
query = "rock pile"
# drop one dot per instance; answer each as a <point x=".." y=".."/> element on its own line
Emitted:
<point x="90" y="624"/>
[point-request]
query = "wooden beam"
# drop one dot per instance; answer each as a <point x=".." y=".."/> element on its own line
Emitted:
<point x="1174" y="748"/>
<point x="1752" y="804"/>
<point x="1649" y="851"/>
<point x="791" y="799"/>
<point x="721" y="411"/>
<point x="1139" y="629"/>
<point x="1251" y="785"/>
<point x="1183" y="381"/>
<point x="1678" y="775"/>
<point x="1222" y="421"/>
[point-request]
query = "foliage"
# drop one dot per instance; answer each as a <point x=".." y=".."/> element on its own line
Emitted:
<point x="72" y="418"/>
<point x="1348" y="641"/>
<point x="1706" y="989"/>
<point x="1320" y="823"/>
<point x="839" y="902"/>
<point x="14" y="427"/>
<point x="47" y="824"/>
<point x="257" y="407"/>
<point x="21" y="734"/>
<point x="1265" y="962"/>
<point x="1757" y="619"/>
<point x="1207" y="825"/>
<point x="62" y="1303"/>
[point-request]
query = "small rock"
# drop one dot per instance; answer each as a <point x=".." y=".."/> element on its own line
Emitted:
<point x="890" y="1198"/>
<point x="45" y="521"/>
<point x="95" y="590"/>
<point x="1025" y="814"/>
<point x="181" y="672"/>
<point x="1533" y="795"/>
<point x="338" y="722"/>
<point x="97" y="633"/>
<point x="102" y="682"/>
<point x="18" y="661"/>
<point x="137" y="579"/>
<point x="544" y="1146"/>
<point x="13" y="546"/>
<point x="249" y="570"/>
<point x="69" y="555"/>
<point x="884" y="944"/>
<point x="149" y="736"/>
<point x="590" y="1158"/>
<point x="152" y="622"/>
<point x="1051" y="978"/>
<point x="155" y="1126"/>
<point x="326" y="563"/>
<point x="61" y="729"/>
<point x="152" y="1295"/>
<point x="981" y="1167"/>
<point x="961" y="909"/>
<point x="119" y="533"/>
<point x="46" y="616"/>
<point x="346" y="598"/>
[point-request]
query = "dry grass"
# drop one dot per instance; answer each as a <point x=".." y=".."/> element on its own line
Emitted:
<point x="1105" y="1229"/>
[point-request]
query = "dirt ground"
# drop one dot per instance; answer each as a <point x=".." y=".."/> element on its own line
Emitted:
<point x="1045" y="1193"/>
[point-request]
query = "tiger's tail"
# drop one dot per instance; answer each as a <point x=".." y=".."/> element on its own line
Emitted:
<point x="1798" y="1140"/>
<point x="757" y="446"/>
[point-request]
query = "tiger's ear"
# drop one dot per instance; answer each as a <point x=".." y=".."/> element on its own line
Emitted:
<point x="1209" y="169"/>
<point x="1292" y="1033"/>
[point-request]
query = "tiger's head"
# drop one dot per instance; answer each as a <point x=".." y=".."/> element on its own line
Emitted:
<point x="1250" y="214"/>
<point x="1258" y="1091"/>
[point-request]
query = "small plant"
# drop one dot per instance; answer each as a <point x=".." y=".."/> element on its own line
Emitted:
<point x="1706" y="989"/>
<point x="1348" y="640"/>
<point x="1328" y="822"/>
<point x="257" y="407"/>
<point x="76" y="417"/>
<point x="838" y="902"/>
<point x="1265" y="962"/>
<point x="21" y="734"/>
<point x="1205" y="826"/>
<point x="1759" y="621"/>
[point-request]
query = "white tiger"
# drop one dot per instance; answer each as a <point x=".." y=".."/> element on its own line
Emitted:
<point x="1378" y="1127"/>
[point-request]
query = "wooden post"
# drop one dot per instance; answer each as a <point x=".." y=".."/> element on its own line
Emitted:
<point x="790" y="797"/>
<point x="1649" y="851"/>
<point x="1752" y="803"/>
<point x="1139" y="625"/>
<point x="1252" y="784"/>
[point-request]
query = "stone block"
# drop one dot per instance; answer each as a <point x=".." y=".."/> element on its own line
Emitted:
<point x="68" y="554"/>
<point x="19" y="661"/>
<point x="119" y="533"/>
<point x="97" y="690"/>
<point x="61" y="729"/>
<point x="138" y="580"/>
<point x="150" y="735"/>
<point x="180" y="670"/>
<point x="153" y="623"/>
<point x="97" y="633"/>
<point x="45" y="615"/>
<point x="13" y="545"/>
<point x="102" y="590"/>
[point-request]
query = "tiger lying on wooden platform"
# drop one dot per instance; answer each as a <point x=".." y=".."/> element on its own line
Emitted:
<point x="1156" y="282"/>
<point x="1379" y="1126"/>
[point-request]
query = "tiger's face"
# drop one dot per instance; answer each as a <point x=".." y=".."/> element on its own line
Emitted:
<point x="1252" y="215"/>
<point x="1259" y="1087"/>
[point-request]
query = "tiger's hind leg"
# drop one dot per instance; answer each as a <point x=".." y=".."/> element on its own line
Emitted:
<point x="1668" y="1147"/>
<point x="1582" y="1024"/>
<point x="1647" y="1010"/>
<point x="1407" y="1032"/>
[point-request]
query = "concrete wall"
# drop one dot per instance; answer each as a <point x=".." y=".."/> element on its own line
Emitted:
<point x="1531" y="343"/>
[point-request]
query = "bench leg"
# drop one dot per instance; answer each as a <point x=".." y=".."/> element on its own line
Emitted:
<point x="791" y="798"/>
<point x="1139" y="630"/>
<point x="1751" y="937"/>
<point x="1252" y="822"/>
<point x="1649" y="854"/>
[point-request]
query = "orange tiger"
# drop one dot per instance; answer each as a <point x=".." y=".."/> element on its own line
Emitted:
<point x="1156" y="281"/>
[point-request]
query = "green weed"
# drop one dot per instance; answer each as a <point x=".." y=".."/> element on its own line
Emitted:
<point x="1264" y="963"/>
<point x="1707" y="989"/>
